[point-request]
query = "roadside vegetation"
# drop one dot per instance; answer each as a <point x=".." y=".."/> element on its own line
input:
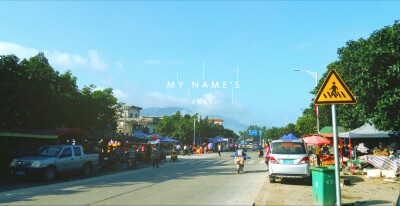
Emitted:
<point x="35" y="96"/>
<point x="371" y="70"/>
<point x="182" y="128"/>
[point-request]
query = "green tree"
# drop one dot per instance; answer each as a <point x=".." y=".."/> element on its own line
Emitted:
<point x="306" y="125"/>
<point x="371" y="69"/>
<point x="181" y="128"/>
<point x="38" y="97"/>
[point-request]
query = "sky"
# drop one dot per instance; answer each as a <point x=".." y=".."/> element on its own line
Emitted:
<point x="230" y="58"/>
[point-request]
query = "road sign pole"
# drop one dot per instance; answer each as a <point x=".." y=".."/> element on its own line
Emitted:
<point x="335" y="145"/>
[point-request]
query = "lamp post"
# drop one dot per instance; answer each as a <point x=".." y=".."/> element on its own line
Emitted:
<point x="315" y="75"/>
<point x="194" y="131"/>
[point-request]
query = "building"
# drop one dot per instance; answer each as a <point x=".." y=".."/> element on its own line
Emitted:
<point x="216" y="121"/>
<point x="131" y="121"/>
<point x="130" y="111"/>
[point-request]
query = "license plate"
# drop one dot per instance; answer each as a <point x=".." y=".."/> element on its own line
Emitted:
<point x="287" y="161"/>
<point x="19" y="172"/>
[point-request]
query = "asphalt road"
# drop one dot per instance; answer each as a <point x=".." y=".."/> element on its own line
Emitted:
<point x="194" y="180"/>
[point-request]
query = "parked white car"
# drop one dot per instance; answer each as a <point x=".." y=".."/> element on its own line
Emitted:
<point x="288" y="159"/>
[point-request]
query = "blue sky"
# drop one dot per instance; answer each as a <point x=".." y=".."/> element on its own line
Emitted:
<point x="136" y="47"/>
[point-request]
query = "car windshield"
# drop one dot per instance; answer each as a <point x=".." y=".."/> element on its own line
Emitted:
<point x="288" y="148"/>
<point x="50" y="151"/>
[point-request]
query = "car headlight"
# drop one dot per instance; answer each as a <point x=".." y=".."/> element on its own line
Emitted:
<point x="36" y="164"/>
<point x="12" y="163"/>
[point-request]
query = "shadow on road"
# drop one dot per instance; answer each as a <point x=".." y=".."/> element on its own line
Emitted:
<point x="368" y="202"/>
<point x="255" y="171"/>
<point x="288" y="181"/>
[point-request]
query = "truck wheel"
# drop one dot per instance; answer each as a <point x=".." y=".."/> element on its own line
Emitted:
<point x="50" y="173"/>
<point x="87" y="169"/>
<point x="271" y="179"/>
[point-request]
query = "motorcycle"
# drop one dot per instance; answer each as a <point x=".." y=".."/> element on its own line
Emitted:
<point x="239" y="164"/>
<point x="132" y="162"/>
<point x="109" y="162"/>
<point x="260" y="153"/>
<point x="185" y="152"/>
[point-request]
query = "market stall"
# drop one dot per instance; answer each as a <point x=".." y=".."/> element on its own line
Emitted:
<point x="316" y="140"/>
<point x="380" y="143"/>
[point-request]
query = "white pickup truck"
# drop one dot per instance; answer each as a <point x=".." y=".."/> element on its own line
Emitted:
<point x="53" y="160"/>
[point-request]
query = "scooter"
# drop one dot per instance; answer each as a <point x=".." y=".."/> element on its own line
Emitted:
<point x="260" y="153"/>
<point x="186" y="152"/>
<point x="239" y="164"/>
<point x="109" y="162"/>
<point x="132" y="162"/>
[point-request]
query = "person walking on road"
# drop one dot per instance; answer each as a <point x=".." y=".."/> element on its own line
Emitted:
<point x="219" y="150"/>
<point x="156" y="157"/>
<point x="267" y="149"/>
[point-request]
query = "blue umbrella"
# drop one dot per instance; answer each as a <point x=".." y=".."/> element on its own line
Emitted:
<point x="140" y="135"/>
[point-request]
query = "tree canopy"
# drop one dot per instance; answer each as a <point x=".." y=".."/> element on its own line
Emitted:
<point x="39" y="97"/>
<point x="182" y="128"/>
<point x="371" y="69"/>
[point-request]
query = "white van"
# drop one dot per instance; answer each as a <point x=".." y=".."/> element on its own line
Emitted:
<point x="288" y="159"/>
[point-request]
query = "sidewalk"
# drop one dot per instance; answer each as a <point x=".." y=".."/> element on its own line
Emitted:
<point x="286" y="192"/>
<point x="362" y="191"/>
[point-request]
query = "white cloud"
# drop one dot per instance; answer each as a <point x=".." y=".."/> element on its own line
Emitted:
<point x="59" y="60"/>
<point x="120" y="94"/>
<point x="95" y="61"/>
<point x="7" y="48"/>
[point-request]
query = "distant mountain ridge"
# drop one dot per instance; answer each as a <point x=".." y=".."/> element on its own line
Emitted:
<point x="229" y="123"/>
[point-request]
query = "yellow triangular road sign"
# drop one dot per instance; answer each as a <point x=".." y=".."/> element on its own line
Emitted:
<point x="334" y="91"/>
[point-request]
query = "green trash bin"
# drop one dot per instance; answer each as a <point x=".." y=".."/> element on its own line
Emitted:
<point x="323" y="185"/>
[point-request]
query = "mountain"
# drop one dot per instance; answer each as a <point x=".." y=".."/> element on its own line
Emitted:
<point x="229" y="123"/>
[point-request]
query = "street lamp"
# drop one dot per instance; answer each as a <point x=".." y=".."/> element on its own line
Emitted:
<point x="194" y="131"/>
<point x="315" y="75"/>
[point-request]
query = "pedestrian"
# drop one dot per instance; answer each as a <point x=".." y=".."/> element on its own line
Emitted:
<point x="156" y="157"/>
<point x="267" y="149"/>
<point x="318" y="154"/>
<point x="219" y="150"/>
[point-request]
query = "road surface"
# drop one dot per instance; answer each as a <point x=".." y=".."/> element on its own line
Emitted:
<point x="204" y="179"/>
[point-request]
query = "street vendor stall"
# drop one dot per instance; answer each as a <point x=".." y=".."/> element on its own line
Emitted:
<point x="368" y="133"/>
<point x="326" y="159"/>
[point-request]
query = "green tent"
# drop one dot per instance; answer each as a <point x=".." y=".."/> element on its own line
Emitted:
<point x="329" y="130"/>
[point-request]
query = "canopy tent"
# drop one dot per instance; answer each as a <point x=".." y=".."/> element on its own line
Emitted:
<point x="168" y="139"/>
<point x="316" y="140"/>
<point x="142" y="135"/>
<point x="154" y="136"/>
<point x="165" y="139"/>
<point x="217" y="139"/>
<point x="284" y="136"/>
<point x="154" y="141"/>
<point x="368" y="130"/>
<point x="289" y="137"/>
<point x="329" y="130"/>
<point x="199" y="140"/>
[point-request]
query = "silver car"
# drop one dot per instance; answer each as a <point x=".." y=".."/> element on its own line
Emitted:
<point x="288" y="159"/>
